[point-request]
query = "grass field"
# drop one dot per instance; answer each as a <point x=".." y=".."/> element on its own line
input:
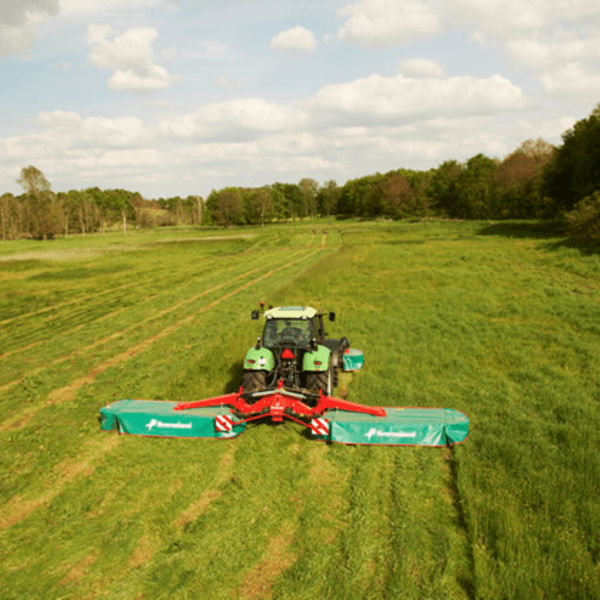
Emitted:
<point x="500" y="321"/>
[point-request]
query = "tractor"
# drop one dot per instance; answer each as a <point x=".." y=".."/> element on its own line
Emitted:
<point x="295" y="349"/>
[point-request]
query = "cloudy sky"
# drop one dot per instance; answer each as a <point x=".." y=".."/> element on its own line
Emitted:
<point x="171" y="97"/>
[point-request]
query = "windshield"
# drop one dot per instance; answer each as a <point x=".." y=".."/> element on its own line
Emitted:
<point x="288" y="332"/>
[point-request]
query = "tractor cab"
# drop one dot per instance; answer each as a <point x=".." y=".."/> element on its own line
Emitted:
<point x="297" y="326"/>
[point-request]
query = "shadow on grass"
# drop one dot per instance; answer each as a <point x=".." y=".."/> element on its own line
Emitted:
<point x="535" y="230"/>
<point x="236" y="376"/>
<point x="539" y="230"/>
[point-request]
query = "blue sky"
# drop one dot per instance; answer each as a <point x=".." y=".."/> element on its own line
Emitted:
<point x="173" y="97"/>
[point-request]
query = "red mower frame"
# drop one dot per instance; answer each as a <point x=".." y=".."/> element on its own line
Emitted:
<point x="279" y="404"/>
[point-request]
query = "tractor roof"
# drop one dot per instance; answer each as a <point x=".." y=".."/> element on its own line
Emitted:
<point x="291" y="312"/>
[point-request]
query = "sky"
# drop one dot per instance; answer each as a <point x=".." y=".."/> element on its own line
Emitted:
<point x="179" y="97"/>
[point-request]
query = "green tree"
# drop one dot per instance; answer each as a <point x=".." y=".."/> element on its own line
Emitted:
<point x="518" y="181"/>
<point x="120" y="207"/>
<point x="44" y="209"/>
<point x="477" y="187"/>
<point x="294" y="205"/>
<point x="573" y="173"/>
<point x="444" y="190"/>
<point x="583" y="223"/>
<point x="226" y="206"/>
<point x="328" y="197"/>
<point x="258" y="205"/>
<point x="10" y="217"/>
<point x="309" y="189"/>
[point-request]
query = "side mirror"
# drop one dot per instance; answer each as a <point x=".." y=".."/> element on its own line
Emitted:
<point x="332" y="316"/>
<point x="254" y="315"/>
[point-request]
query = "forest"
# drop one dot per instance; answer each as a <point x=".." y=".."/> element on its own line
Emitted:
<point x="537" y="180"/>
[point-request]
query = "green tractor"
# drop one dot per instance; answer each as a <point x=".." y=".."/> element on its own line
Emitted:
<point x="294" y="349"/>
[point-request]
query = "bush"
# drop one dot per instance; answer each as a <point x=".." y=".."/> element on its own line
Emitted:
<point x="584" y="221"/>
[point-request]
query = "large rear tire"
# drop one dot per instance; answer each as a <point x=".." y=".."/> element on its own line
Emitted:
<point x="320" y="381"/>
<point x="254" y="381"/>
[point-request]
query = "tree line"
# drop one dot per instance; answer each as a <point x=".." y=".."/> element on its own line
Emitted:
<point x="537" y="180"/>
<point x="43" y="214"/>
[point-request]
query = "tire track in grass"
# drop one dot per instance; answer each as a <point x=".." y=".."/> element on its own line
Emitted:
<point x="179" y="278"/>
<point x="120" y="333"/>
<point x="32" y="332"/>
<point x="150" y="277"/>
<point x="19" y="508"/>
<point x="4" y="387"/>
<point x="197" y="508"/>
<point x="22" y="349"/>
<point x="63" y="304"/>
<point x="42" y="328"/>
<point x="70" y="391"/>
<point x="78" y="572"/>
<point x="277" y="558"/>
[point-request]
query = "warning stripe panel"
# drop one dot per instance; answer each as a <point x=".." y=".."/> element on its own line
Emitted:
<point x="320" y="426"/>
<point x="223" y="423"/>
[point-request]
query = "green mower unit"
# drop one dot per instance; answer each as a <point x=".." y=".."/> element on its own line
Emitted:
<point x="290" y="374"/>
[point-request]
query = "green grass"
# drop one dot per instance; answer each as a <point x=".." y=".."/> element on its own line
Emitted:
<point x="499" y="322"/>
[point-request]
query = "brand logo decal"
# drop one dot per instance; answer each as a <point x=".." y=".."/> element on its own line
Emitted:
<point x="390" y="434"/>
<point x="154" y="423"/>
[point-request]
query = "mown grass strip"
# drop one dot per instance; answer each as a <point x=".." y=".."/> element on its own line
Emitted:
<point x="88" y="317"/>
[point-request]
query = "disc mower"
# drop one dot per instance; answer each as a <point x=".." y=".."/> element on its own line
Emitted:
<point x="290" y="373"/>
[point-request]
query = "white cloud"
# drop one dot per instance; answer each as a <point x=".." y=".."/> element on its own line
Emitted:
<point x="98" y="132"/>
<point x="131" y="55"/>
<point x="18" y="20"/>
<point x="294" y="40"/>
<point x="384" y="23"/>
<point x="543" y="55"/>
<point x="376" y="97"/>
<point x="132" y="48"/>
<point x="420" y="67"/>
<point x="142" y="79"/>
<point x="233" y="117"/>
<point x="515" y="19"/>
<point x="572" y="79"/>
<point x="77" y="7"/>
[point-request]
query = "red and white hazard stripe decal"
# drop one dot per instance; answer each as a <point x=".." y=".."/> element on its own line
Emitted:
<point x="223" y="423"/>
<point x="320" y="426"/>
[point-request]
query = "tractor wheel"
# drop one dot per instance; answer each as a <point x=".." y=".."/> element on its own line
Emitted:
<point x="320" y="381"/>
<point x="254" y="381"/>
<point x="334" y="379"/>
